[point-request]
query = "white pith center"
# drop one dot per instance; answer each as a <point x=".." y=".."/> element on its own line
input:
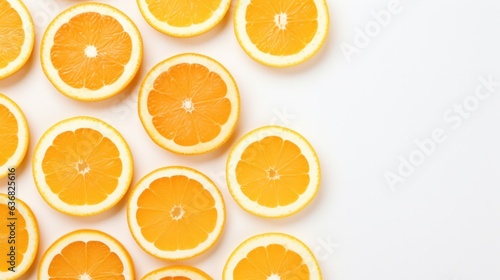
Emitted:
<point x="188" y="105"/>
<point x="82" y="167"/>
<point x="177" y="212"/>
<point x="273" y="174"/>
<point x="281" y="20"/>
<point x="274" y="277"/>
<point x="91" y="51"/>
<point x="85" y="276"/>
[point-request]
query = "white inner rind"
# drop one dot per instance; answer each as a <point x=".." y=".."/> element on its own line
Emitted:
<point x="73" y="124"/>
<point x="232" y="95"/>
<point x="23" y="136"/>
<point x="192" y="30"/>
<point x="145" y="182"/>
<point x="289" y="242"/>
<point x="130" y="69"/>
<point x="85" y="235"/>
<point x="33" y="240"/>
<point x="285" y="60"/>
<point x="29" y="39"/>
<point x="257" y="135"/>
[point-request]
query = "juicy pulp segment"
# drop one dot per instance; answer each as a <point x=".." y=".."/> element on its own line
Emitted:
<point x="188" y="104"/>
<point x="21" y="236"/>
<point x="273" y="172"/>
<point x="8" y="134"/>
<point x="266" y="262"/>
<point x="183" y="13"/>
<point x="92" y="259"/>
<point x="91" y="51"/>
<point x="12" y="34"/>
<point x="176" y="213"/>
<point x="281" y="27"/>
<point x="82" y="167"/>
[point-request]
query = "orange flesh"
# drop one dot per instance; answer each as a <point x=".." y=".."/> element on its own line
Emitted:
<point x="281" y="27"/>
<point x="82" y="167"/>
<point x="92" y="258"/>
<point x="176" y="213"/>
<point x="11" y="34"/>
<point x="91" y="51"/>
<point x="273" y="260"/>
<point x="20" y="235"/>
<point x="8" y="134"/>
<point x="182" y="13"/>
<point x="175" y="278"/>
<point x="273" y="172"/>
<point x="188" y="104"/>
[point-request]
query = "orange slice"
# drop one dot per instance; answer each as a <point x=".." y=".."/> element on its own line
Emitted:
<point x="17" y="36"/>
<point x="180" y="272"/>
<point x="82" y="166"/>
<point x="19" y="236"/>
<point x="189" y="104"/>
<point x="273" y="172"/>
<point x="91" y="51"/>
<point x="14" y="135"/>
<point x="183" y="18"/>
<point x="86" y="254"/>
<point x="272" y="256"/>
<point x="281" y="32"/>
<point x="176" y="213"/>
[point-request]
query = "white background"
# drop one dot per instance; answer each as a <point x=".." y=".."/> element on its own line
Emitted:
<point x="362" y="113"/>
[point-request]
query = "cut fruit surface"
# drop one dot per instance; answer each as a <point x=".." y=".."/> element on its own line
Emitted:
<point x="272" y="256"/>
<point x="17" y="36"/>
<point x="183" y="18"/>
<point x="91" y="51"/>
<point x="273" y="172"/>
<point x="176" y="213"/>
<point x="14" y="135"/>
<point x="189" y="104"/>
<point x="86" y="254"/>
<point x="179" y="272"/>
<point x="82" y="166"/>
<point x="19" y="236"/>
<point x="282" y="32"/>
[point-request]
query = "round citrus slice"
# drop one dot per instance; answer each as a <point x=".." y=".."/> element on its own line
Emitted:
<point x="272" y="256"/>
<point x="19" y="236"/>
<point x="82" y="166"/>
<point x="282" y="32"/>
<point x="180" y="272"/>
<point x="86" y="254"/>
<point x="183" y="18"/>
<point x="91" y="51"/>
<point x="273" y="172"/>
<point x="176" y="213"/>
<point x="14" y="135"/>
<point x="189" y="104"/>
<point x="17" y="36"/>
